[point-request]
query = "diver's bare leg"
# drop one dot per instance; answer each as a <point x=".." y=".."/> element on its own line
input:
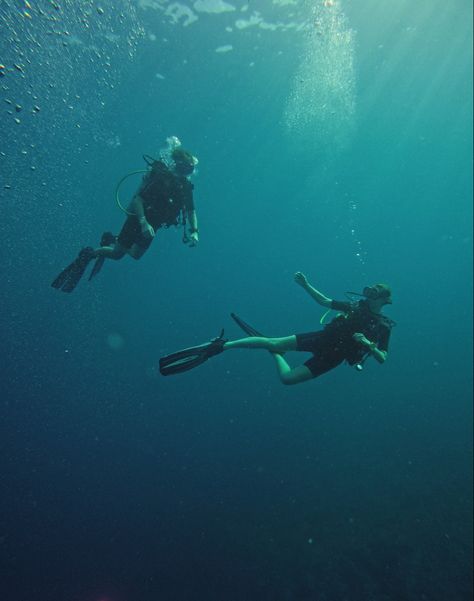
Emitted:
<point x="289" y="375"/>
<point x="137" y="252"/>
<point x="274" y="345"/>
<point x="115" y="252"/>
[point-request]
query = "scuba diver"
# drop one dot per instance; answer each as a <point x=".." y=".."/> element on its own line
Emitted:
<point x="359" y="331"/>
<point x="165" y="198"/>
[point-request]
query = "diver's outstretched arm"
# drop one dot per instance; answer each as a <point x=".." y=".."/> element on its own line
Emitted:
<point x="320" y="298"/>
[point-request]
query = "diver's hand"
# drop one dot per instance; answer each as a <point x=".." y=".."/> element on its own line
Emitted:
<point x="193" y="239"/>
<point x="361" y="339"/>
<point x="147" y="229"/>
<point x="301" y="279"/>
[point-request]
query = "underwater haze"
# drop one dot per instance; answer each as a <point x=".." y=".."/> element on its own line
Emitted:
<point x="334" y="137"/>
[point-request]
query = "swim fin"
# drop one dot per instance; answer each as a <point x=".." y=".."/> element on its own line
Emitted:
<point x="69" y="277"/>
<point x="246" y="327"/>
<point x="107" y="240"/>
<point x="189" y="358"/>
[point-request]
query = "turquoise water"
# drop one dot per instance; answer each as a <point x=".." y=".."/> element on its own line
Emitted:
<point x="333" y="138"/>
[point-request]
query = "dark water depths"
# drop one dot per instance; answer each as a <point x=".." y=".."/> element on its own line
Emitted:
<point x="335" y="140"/>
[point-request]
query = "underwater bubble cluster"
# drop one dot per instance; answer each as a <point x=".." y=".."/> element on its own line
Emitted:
<point x="321" y="103"/>
<point x="51" y="53"/>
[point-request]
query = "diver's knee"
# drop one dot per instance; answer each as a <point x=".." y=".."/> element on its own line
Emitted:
<point x="136" y="252"/>
<point x="118" y="254"/>
<point x="287" y="379"/>
<point x="273" y="345"/>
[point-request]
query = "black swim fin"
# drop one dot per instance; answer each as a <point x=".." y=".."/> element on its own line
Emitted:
<point x="247" y="328"/>
<point x="189" y="358"/>
<point x="69" y="277"/>
<point x="107" y="240"/>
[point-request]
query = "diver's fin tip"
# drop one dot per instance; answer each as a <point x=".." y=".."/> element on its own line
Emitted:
<point x="246" y="327"/>
<point x="188" y="358"/>
<point x="69" y="277"/>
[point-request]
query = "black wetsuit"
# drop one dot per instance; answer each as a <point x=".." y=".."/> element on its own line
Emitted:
<point x="334" y="344"/>
<point x="166" y="197"/>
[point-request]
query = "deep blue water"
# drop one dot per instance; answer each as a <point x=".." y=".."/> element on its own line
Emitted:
<point x="335" y="140"/>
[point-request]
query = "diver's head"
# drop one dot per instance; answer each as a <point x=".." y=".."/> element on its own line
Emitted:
<point x="378" y="292"/>
<point x="184" y="161"/>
